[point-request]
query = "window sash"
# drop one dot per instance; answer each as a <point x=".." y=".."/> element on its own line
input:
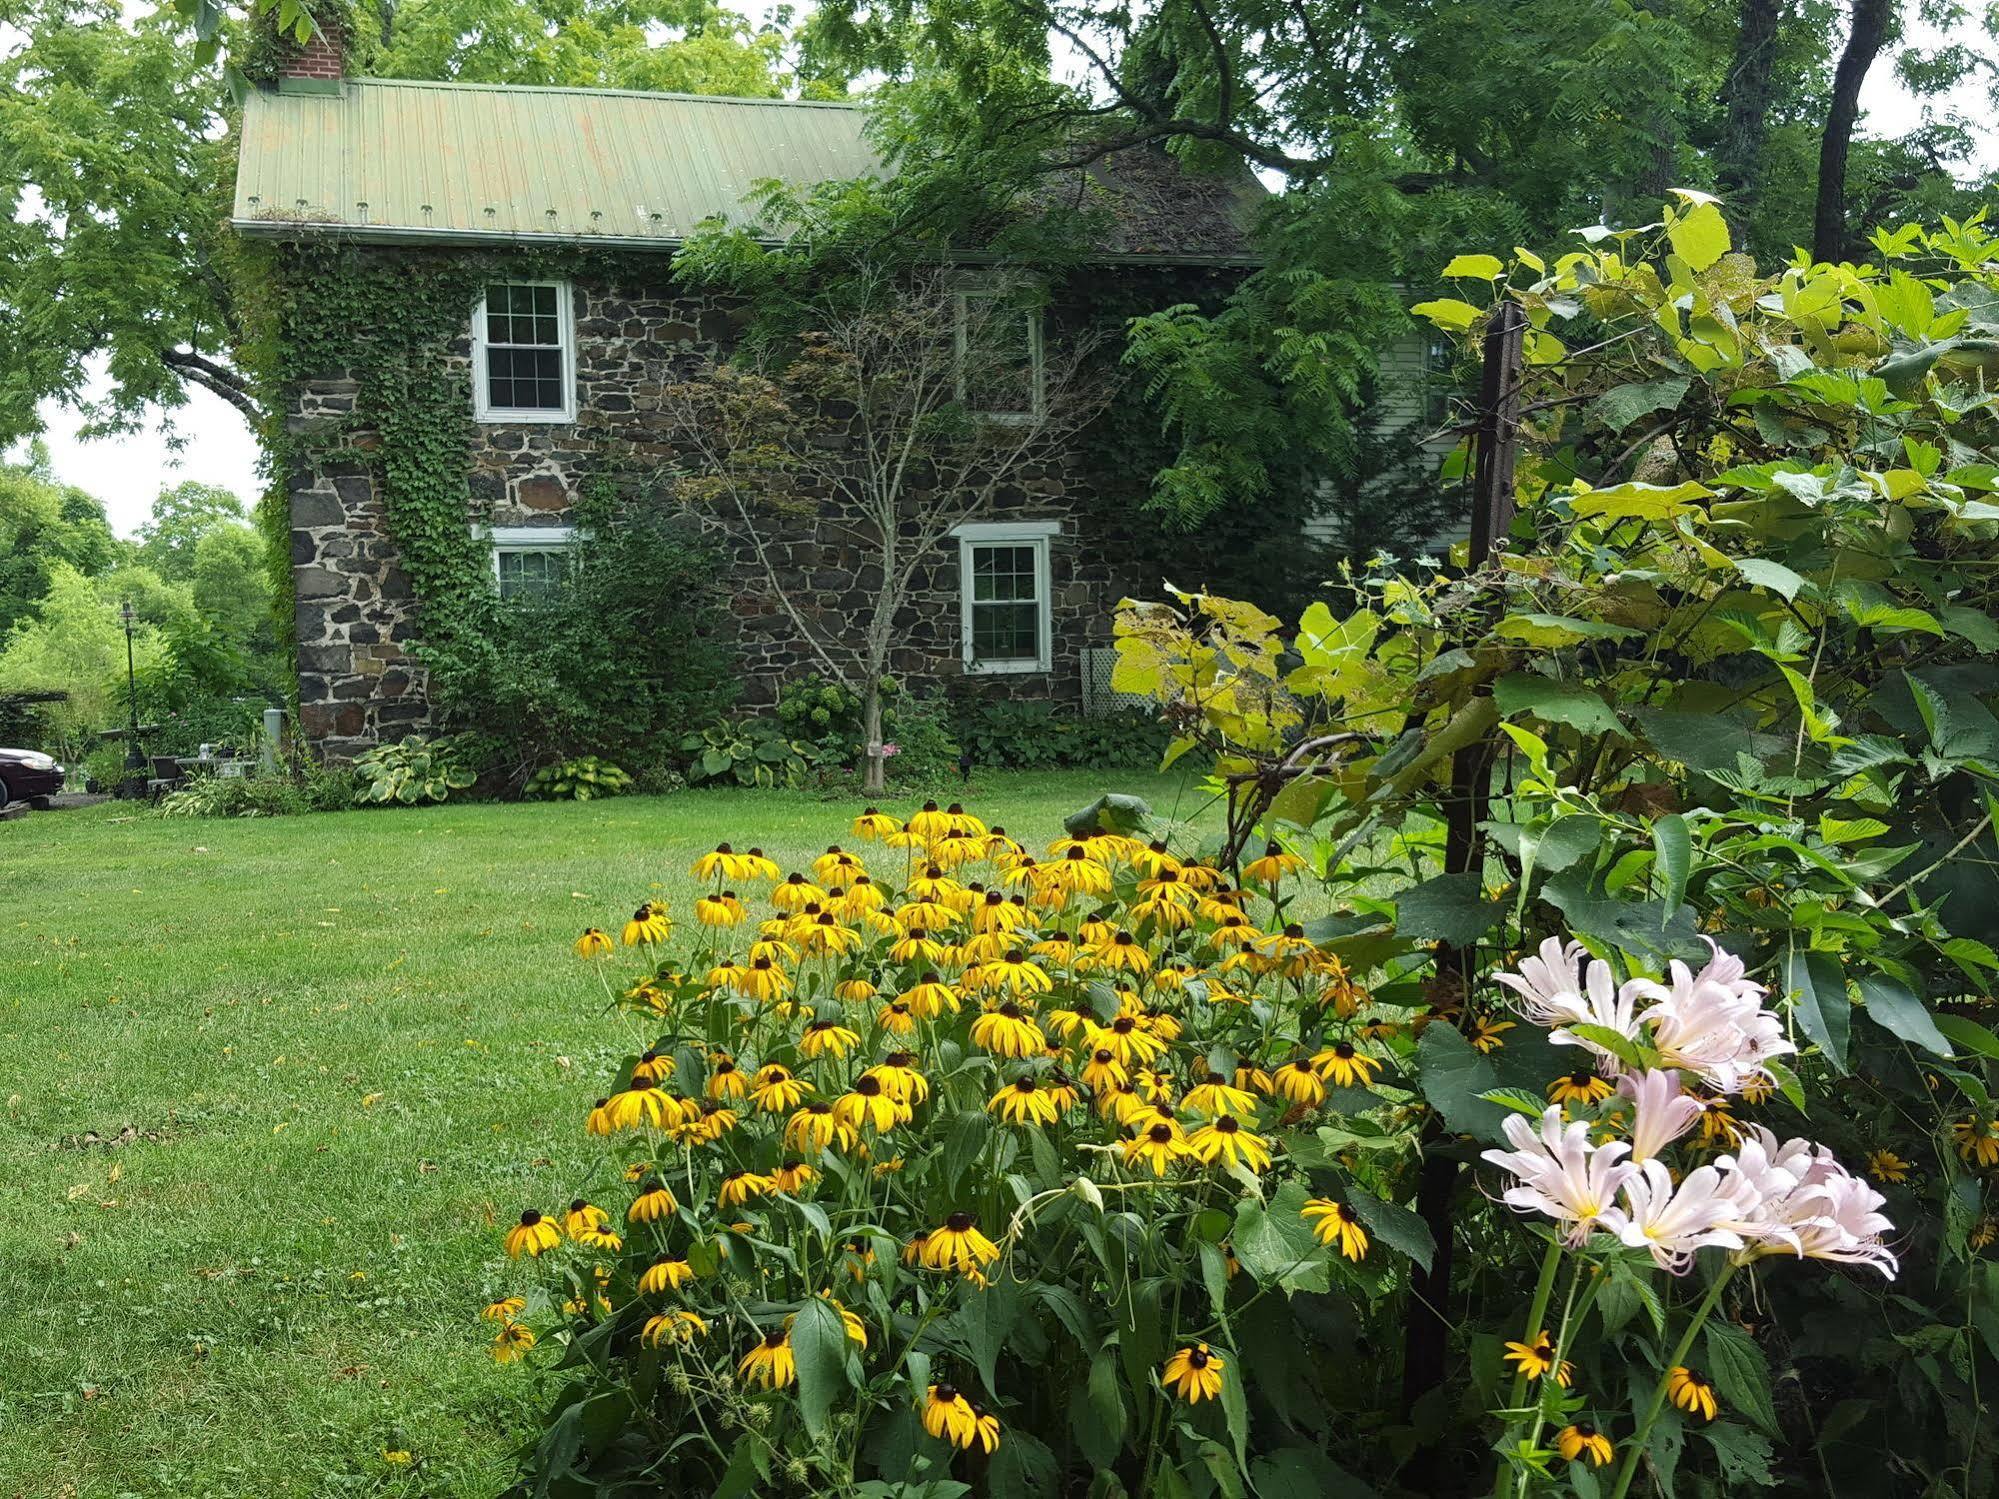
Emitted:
<point x="1032" y="368"/>
<point x="525" y="353"/>
<point x="1005" y="593"/>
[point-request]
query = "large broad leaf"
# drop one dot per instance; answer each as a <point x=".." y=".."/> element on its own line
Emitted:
<point x="1451" y="908"/>
<point x="1448" y="313"/>
<point x="1620" y="406"/>
<point x="1276" y="1245"/>
<point x="1673" y="846"/>
<point x="1393" y="1224"/>
<point x="1699" y="741"/>
<point x="1739" y="1372"/>
<point x="1969" y="1035"/>
<point x="1637" y="926"/>
<point x="1454" y="1076"/>
<point x="1824" y="1012"/>
<point x="1023" y="1467"/>
<point x="1892" y="1006"/>
<point x="1304" y="1473"/>
<point x="1559" y="629"/>
<point x="984" y="1317"/>
<point x="1112" y="813"/>
<point x="1774" y="576"/>
<point x="1474" y="267"/>
<point x="1699" y="236"/>
<point x="1581" y="708"/>
<point x="819" y="1344"/>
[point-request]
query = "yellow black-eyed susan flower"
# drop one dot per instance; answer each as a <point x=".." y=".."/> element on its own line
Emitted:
<point x="725" y="909"/>
<point x="1225" y="1139"/>
<point x="654" y="1202"/>
<point x="511" y="1342"/>
<point x="598" y="1236"/>
<point x="854" y="990"/>
<point x="676" y="1326"/>
<point x="1538" y="1357"/>
<point x="896" y="1018"/>
<point x="1335" y="1225"/>
<point x="1023" y="1102"/>
<point x="593" y="943"/>
<point x="1581" y="1439"/>
<point x="1581" y="1087"/>
<point x="599" y="1122"/>
<point x="828" y="1038"/>
<point x="1691" y="1391"/>
<point x="739" y="1187"/>
<point x="1007" y="1032"/>
<point x="899" y="1078"/>
<point x="1271" y="866"/>
<point x="814" y="1128"/>
<point x="725" y="1080"/>
<point x="1488" y="1034"/>
<point x="1194" y="1374"/>
<point x="836" y="866"/>
<point x="506" y="1309"/>
<point x="1719" y="1131"/>
<point x="649" y="924"/>
<point x="581" y="1215"/>
<point x="533" y="1235"/>
<point x="1215" y="1094"/>
<point x="1157" y="1141"/>
<point x="790" y="1174"/>
<point x="1010" y="973"/>
<point x="769" y="1364"/>
<point x="762" y="979"/>
<point x="868" y="1104"/>
<point x="958" y="1245"/>
<point x="1347" y="1065"/>
<point x="1297" y="1082"/>
<point x="665" y="1275"/>
<point x="1984" y="1233"/>
<point x="1102" y="1069"/>
<point x="774" y="1090"/>
<point x="873" y="823"/>
<point x="986" y="1430"/>
<point x="916" y="945"/>
<point x="1887" y="1167"/>
<point x="947" y="1415"/>
<point x="1126" y="1038"/>
<point x="1976" y="1140"/>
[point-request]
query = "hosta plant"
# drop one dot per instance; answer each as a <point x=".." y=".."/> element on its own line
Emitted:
<point x="411" y="771"/>
<point x="578" y="780"/>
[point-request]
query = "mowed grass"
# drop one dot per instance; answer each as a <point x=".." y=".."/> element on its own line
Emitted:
<point x="270" y="1087"/>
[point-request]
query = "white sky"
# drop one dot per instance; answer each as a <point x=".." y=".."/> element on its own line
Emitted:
<point x="216" y="446"/>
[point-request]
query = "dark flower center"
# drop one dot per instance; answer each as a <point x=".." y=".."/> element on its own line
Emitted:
<point x="1102" y="1056"/>
<point x="1010" y="1010"/>
<point x="1076" y="853"/>
<point x="1581" y="1077"/>
<point x="1198" y="1359"/>
<point x="578" y="1205"/>
<point x="1159" y="1134"/>
<point x="773" y="1340"/>
<point x="871" y="812"/>
<point x="1344" y="1050"/>
<point x="1227" y="1124"/>
<point x="956" y="809"/>
<point x="530" y="1218"/>
<point x="1294" y="930"/>
<point x="958" y="1223"/>
<point x="868" y="1087"/>
<point x="1014" y="955"/>
<point x="761" y="964"/>
<point x="1123" y="939"/>
<point x="725" y="1066"/>
<point x="946" y="1393"/>
<point x="1025" y="1085"/>
<point x="896" y="1059"/>
<point x="1585" y="1430"/>
<point x="826" y="919"/>
<point x="930" y="806"/>
<point x="819" y="1108"/>
<point x="643" y="913"/>
<point x="723" y="848"/>
<point x="794" y="878"/>
<point x="1124" y="1025"/>
<point x="728" y="895"/>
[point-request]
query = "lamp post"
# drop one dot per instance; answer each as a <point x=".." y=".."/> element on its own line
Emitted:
<point x="135" y="762"/>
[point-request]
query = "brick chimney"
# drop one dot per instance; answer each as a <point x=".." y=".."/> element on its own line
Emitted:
<point x="316" y="66"/>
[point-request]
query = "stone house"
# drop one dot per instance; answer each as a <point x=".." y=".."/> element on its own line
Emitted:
<point x="560" y="367"/>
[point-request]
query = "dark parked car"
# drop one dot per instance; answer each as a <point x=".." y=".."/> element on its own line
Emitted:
<point x="28" y="776"/>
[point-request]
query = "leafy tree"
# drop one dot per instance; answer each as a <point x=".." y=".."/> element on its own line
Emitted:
<point x="181" y="517"/>
<point x="75" y="644"/>
<point x="232" y="589"/>
<point x="44" y="525"/>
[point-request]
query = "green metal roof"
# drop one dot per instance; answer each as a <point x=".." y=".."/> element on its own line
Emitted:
<point x="390" y="160"/>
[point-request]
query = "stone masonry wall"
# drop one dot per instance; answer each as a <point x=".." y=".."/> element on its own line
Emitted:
<point x="356" y="614"/>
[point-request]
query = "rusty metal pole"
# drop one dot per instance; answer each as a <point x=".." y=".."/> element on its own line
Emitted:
<point x="1496" y="445"/>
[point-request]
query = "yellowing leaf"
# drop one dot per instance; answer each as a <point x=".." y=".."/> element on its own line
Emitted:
<point x="1700" y="236"/>
<point x="1449" y="313"/>
<point x="1475" y="268"/>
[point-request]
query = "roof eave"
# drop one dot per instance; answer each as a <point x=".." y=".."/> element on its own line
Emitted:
<point x="390" y="234"/>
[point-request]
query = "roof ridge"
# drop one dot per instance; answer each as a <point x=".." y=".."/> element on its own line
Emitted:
<point x="454" y="86"/>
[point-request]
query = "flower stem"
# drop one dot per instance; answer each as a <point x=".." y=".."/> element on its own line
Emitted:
<point x="1629" y="1469"/>
<point x="1551" y="1262"/>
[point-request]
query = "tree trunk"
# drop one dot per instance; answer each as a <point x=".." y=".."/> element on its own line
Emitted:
<point x="874" y="766"/>
<point x="1868" y="31"/>
<point x="1745" y="97"/>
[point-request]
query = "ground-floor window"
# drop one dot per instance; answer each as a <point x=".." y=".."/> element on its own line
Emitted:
<point x="533" y="561"/>
<point x="1005" y="594"/>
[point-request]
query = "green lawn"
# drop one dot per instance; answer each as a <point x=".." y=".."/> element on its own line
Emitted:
<point x="269" y="1086"/>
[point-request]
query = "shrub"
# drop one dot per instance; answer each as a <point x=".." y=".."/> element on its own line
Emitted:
<point x="315" y="789"/>
<point x="954" y="1188"/>
<point x="411" y="771"/>
<point x="1032" y="735"/>
<point x="578" y="780"/>
<point x="629" y="653"/>
<point x="827" y="716"/>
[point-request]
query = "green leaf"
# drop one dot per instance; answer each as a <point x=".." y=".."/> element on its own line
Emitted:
<point x="1743" y="1455"/>
<point x="984" y="1318"/>
<point x="1214" y="1276"/>
<point x="1581" y="708"/>
<point x="1625" y="1293"/>
<point x="1559" y="629"/>
<point x="1615" y="1042"/>
<point x="1891" y="1005"/>
<point x="819" y="1344"/>
<point x="1674" y="845"/>
<point x="1235" y="1409"/>
<point x="1449" y="908"/>
<point x="1096" y="1412"/>
<point x="1969" y="1035"/>
<point x="1620" y="406"/>
<point x="1739" y="1372"/>
<point x="1699" y="236"/>
<point x="1455" y="1076"/>
<point x="1972" y="625"/>
<point x="1112" y="813"/>
<point x="1824" y="1012"/>
<point x="1393" y="1224"/>
<point x="1774" y="576"/>
<point x="1475" y="268"/>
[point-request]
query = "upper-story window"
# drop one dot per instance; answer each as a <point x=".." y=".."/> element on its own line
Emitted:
<point x="524" y="353"/>
<point x="1000" y="362"/>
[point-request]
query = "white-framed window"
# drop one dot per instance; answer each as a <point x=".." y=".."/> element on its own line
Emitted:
<point x="532" y="562"/>
<point x="1001" y="366"/>
<point x="1004" y="594"/>
<point x="524" y="353"/>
